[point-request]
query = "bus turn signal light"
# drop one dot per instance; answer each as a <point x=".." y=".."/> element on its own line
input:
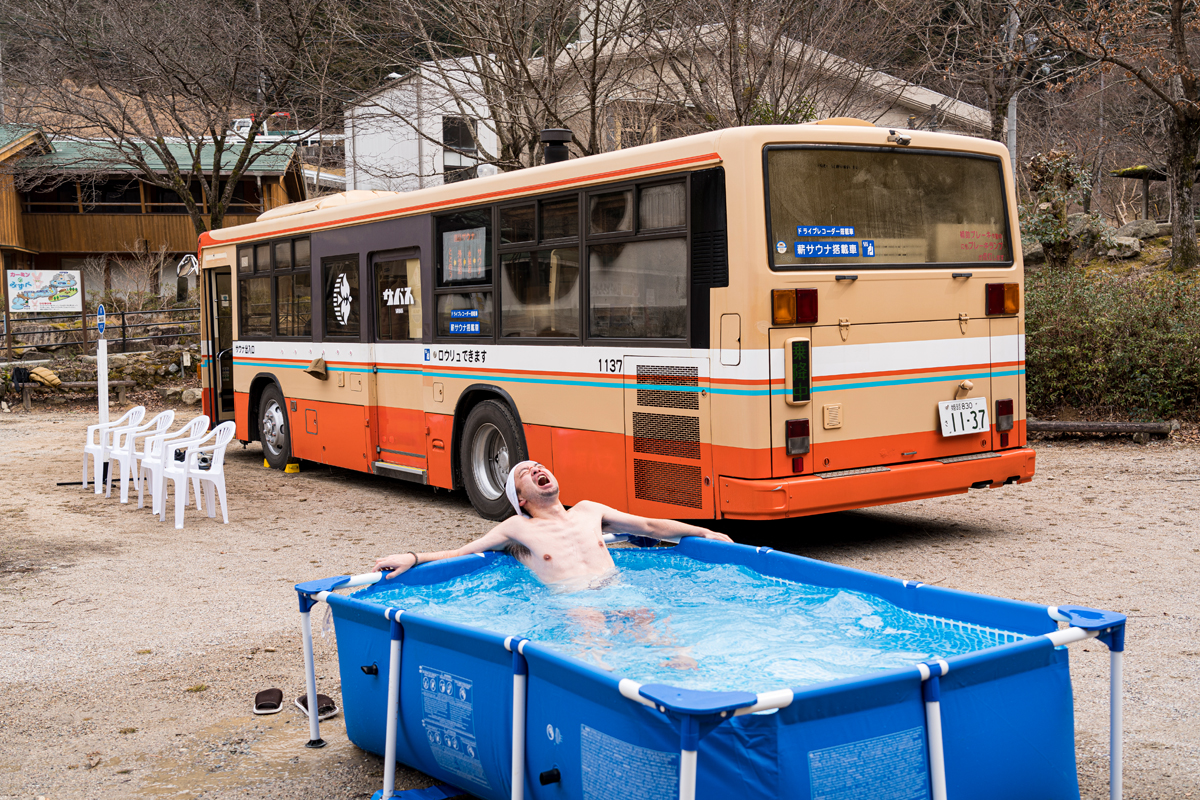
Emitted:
<point x="797" y="436"/>
<point x="1003" y="299"/>
<point x="794" y="306"/>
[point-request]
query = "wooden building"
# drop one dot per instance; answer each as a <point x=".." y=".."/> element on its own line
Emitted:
<point x="88" y="210"/>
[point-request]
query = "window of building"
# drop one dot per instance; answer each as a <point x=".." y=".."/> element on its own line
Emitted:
<point x="343" y="301"/>
<point x="62" y="198"/>
<point x="397" y="299"/>
<point x="459" y="155"/>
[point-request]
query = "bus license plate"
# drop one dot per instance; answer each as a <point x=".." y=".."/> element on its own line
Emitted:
<point x="960" y="417"/>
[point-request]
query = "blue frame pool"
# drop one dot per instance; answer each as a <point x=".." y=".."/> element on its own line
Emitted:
<point x="503" y="717"/>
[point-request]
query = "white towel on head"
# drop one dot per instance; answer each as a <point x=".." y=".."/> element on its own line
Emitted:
<point x="510" y="491"/>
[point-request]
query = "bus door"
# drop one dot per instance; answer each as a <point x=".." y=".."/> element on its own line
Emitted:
<point x="216" y="350"/>
<point x="668" y="444"/>
<point x="398" y="421"/>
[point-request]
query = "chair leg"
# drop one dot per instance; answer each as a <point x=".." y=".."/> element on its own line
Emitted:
<point x="181" y="501"/>
<point x="98" y="461"/>
<point x="209" y="501"/>
<point x="108" y="480"/>
<point x="85" y="481"/>
<point x="221" y="493"/>
<point x="141" y="482"/>
<point x="125" y="482"/>
<point x="196" y="489"/>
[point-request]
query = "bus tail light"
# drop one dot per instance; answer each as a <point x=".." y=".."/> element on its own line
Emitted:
<point x="797" y="436"/>
<point x="794" y="306"/>
<point x="1004" y="420"/>
<point x="1003" y="299"/>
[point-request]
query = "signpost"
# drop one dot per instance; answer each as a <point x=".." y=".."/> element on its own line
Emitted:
<point x="101" y="363"/>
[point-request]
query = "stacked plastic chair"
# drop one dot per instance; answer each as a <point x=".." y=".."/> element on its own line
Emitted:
<point x="124" y="453"/>
<point x="100" y="440"/>
<point x="212" y="476"/>
<point x="158" y="451"/>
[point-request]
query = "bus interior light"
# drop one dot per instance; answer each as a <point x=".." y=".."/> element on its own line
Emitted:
<point x="783" y="306"/>
<point x="1003" y="299"/>
<point x="797" y="432"/>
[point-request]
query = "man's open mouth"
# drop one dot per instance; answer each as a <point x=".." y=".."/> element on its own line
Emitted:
<point x="543" y="480"/>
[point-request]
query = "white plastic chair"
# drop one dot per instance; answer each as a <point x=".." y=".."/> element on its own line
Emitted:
<point x="212" y="478"/>
<point x="160" y="449"/>
<point x="124" y="453"/>
<point x="99" y="442"/>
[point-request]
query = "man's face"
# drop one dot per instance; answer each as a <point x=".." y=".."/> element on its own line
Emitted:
<point x="533" y="480"/>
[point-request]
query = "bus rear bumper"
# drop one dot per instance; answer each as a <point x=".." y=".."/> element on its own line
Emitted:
<point x="740" y="498"/>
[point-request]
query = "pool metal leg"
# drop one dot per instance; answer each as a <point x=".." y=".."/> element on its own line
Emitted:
<point x="393" y="711"/>
<point x="931" y="693"/>
<point x="310" y="678"/>
<point x="520" y="687"/>
<point x="689" y="742"/>
<point x="1115" y="724"/>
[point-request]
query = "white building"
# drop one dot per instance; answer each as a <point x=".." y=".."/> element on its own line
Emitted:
<point x="413" y="133"/>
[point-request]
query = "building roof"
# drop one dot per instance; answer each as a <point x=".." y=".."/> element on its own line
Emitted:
<point x="15" y="138"/>
<point x="94" y="155"/>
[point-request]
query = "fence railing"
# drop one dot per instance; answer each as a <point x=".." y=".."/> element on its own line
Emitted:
<point x="122" y="328"/>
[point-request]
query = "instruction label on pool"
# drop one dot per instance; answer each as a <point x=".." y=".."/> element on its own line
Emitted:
<point x="890" y="767"/>
<point x="448" y="717"/>
<point x="617" y="770"/>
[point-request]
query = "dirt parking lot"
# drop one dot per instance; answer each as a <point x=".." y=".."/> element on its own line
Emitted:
<point x="131" y="651"/>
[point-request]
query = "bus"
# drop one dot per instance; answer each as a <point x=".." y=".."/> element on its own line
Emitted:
<point x="754" y="323"/>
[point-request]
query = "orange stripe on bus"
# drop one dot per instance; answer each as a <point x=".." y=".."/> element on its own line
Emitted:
<point x="923" y="370"/>
<point x="206" y="239"/>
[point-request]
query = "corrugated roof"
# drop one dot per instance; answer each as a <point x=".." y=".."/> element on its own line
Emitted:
<point x="11" y="137"/>
<point x="89" y="155"/>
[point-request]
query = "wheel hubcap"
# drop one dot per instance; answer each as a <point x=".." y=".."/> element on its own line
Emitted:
<point x="489" y="460"/>
<point x="272" y="427"/>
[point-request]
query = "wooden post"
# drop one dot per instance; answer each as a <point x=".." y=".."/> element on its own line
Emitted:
<point x="83" y="312"/>
<point x="8" y="320"/>
<point x="1145" y="198"/>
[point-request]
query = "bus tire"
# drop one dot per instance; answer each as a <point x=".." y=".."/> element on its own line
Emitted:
<point x="490" y="447"/>
<point x="273" y="428"/>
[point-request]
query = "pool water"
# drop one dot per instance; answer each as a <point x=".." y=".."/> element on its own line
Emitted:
<point x="672" y="619"/>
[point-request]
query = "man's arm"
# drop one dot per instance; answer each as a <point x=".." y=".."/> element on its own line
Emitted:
<point x="399" y="563"/>
<point x="613" y="521"/>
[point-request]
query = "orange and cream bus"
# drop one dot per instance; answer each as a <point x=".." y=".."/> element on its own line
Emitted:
<point x="755" y="323"/>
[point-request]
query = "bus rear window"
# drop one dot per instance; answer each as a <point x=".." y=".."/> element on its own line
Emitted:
<point x="872" y="208"/>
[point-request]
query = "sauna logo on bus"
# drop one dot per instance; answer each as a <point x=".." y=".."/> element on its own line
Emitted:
<point x="342" y="299"/>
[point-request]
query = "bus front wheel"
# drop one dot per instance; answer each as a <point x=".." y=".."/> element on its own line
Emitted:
<point x="490" y="447"/>
<point x="273" y="428"/>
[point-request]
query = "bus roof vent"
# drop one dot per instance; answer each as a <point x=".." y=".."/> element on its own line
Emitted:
<point x="853" y="121"/>
<point x="556" y="140"/>
<point x="328" y="201"/>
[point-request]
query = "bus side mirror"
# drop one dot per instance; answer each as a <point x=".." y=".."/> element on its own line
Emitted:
<point x="188" y="265"/>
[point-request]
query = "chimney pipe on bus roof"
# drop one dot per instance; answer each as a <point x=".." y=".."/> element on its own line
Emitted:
<point x="556" y="140"/>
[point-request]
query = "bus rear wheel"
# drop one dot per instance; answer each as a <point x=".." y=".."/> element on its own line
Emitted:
<point x="489" y="448"/>
<point x="273" y="428"/>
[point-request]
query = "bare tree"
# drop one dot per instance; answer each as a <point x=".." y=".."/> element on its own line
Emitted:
<point x="154" y="87"/>
<point x="1152" y="43"/>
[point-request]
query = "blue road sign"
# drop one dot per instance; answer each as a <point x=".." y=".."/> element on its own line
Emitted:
<point x="100" y="318"/>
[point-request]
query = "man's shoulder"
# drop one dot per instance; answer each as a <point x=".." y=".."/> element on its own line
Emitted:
<point x="590" y="507"/>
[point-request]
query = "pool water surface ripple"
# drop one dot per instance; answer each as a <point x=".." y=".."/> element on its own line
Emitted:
<point x="672" y="619"/>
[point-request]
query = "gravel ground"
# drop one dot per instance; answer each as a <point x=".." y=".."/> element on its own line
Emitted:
<point x="131" y="651"/>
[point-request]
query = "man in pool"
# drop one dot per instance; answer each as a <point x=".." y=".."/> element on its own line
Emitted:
<point x="564" y="548"/>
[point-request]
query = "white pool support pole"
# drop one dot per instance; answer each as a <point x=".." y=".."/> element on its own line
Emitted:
<point x="1116" y="724"/>
<point x="931" y="692"/>
<point x="689" y="743"/>
<point x="393" y="708"/>
<point x="516" y="645"/>
<point x="310" y="678"/>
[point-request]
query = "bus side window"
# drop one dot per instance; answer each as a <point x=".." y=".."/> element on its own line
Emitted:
<point x="343" y="301"/>
<point x="398" y="300"/>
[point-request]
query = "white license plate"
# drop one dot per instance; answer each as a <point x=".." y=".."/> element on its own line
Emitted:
<point x="961" y="417"/>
